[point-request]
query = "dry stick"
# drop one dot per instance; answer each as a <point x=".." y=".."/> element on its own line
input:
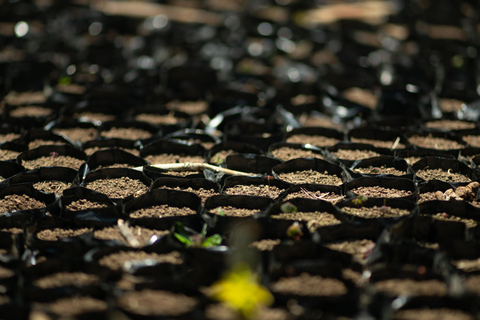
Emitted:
<point x="320" y="197"/>
<point x="198" y="166"/>
<point x="127" y="234"/>
<point x="395" y="144"/>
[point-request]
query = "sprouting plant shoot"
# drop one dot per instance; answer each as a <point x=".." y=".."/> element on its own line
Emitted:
<point x="194" y="239"/>
<point x="221" y="212"/>
<point x="268" y="178"/>
<point x="294" y="231"/>
<point x="239" y="290"/>
<point x="359" y="200"/>
<point x="288" y="207"/>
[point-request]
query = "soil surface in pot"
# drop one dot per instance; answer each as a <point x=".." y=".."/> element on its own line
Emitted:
<point x="230" y="211"/>
<point x="8" y="154"/>
<point x="53" y="186"/>
<point x="379" y="143"/>
<point x="61" y="279"/>
<point x="379" y="170"/>
<point x="310" y="176"/>
<point x="60" y="233"/>
<point x="265" y="244"/>
<point x="317" y="195"/>
<point x="410" y="287"/>
<point x="354" y="154"/>
<point x="431" y="142"/>
<point x="166" y="158"/>
<point x="254" y="190"/>
<point x="117" y="260"/>
<point x="157" y="302"/>
<point x="309" y="285"/>
<point x="72" y="306"/>
<point x="160" y="211"/>
<point x="443" y="216"/>
<point x="54" y="160"/>
<point x="360" y="249"/>
<point x="376" y="212"/>
<point x="287" y="153"/>
<point x="126" y="133"/>
<point x="118" y="187"/>
<point x="443" y="175"/>
<point x="77" y="134"/>
<point x="92" y="150"/>
<point x="381" y="192"/>
<point x="16" y="202"/>
<point x="316" y="140"/>
<point x="314" y="219"/>
<point x="431" y="314"/>
<point x="202" y="193"/>
<point x="141" y="234"/>
<point x="84" y="204"/>
<point x="446" y="124"/>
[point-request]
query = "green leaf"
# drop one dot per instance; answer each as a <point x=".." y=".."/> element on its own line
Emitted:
<point x="183" y="239"/>
<point x="212" y="241"/>
<point x="288" y="207"/>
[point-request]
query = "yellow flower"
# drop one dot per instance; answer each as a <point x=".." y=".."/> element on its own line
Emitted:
<point x="240" y="290"/>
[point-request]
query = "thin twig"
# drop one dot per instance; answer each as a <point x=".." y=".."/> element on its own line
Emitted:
<point x="198" y="166"/>
<point x="322" y="196"/>
<point x="127" y="234"/>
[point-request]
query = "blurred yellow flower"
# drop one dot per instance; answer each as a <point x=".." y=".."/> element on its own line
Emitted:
<point x="240" y="290"/>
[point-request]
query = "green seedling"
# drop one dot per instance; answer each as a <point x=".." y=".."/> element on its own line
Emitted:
<point x="193" y="239"/>
<point x="288" y="207"/>
<point x="360" y="200"/>
<point x="221" y="212"/>
<point x="294" y="231"/>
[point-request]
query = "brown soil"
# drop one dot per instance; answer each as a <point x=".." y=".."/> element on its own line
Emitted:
<point x="157" y="302"/>
<point x="381" y="192"/>
<point x="376" y="212"/>
<point x="116" y="261"/>
<point x="19" y="98"/>
<point x="233" y="212"/>
<point x="361" y="96"/>
<point x="6" y="273"/>
<point x="472" y="140"/>
<point x="73" y="306"/>
<point x="378" y="143"/>
<point x="314" y="219"/>
<point x="59" y="233"/>
<point x="219" y="157"/>
<point x="94" y="116"/>
<point x="54" y="160"/>
<point x="119" y="187"/>
<point x="16" y="202"/>
<point x="188" y="107"/>
<point x="309" y="285"/>
<point x="160" y="211"/>
<point x="30" y="111"/>
<point x="318" y="195"/>
<point x="412" y="160"/>
<point x="90" y="151"/>
<point x="313" y="121"/>
<point x="431" y="314"/>
<point x="142" y="235"/>
<point x="265" y="244"/>
<point x="379" y="170"/>
<point x="467" y="265"/>
<point x="52" y="186"/>
<point x="450" y="124"/>
<point x="202" y="193"/>
<point x="158" y="118"/>
<point x="126" y="133"/>
<point x="9" y="137"/>
<point x="40" y="142"/>
<point x="78" y="134"/>
<point x="431" y="142"/>
<point x="310" y="176"/>
<point x="12" y="230"/>
<point x="254" y="190"/>
<point x="409" y="287"/>
<point x="286" y="153"/>
<point x="8" y="154"/>
<point x="219" y="311"/>
<point x="172" y="158"/>
<point x="360" y="249"/>
<point x="60" y="279"/>
<point x="443" y="216"/>
<point x="84" y="204"/>
<point x="443" y="175"/>
<point x="427" y="196"/>
<point x="316" y="140"/>
<point x="117" y="165"/>
<point x="450" y="105"/>
<point x="346" y="154"/>
<point x="472" y="282"/>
